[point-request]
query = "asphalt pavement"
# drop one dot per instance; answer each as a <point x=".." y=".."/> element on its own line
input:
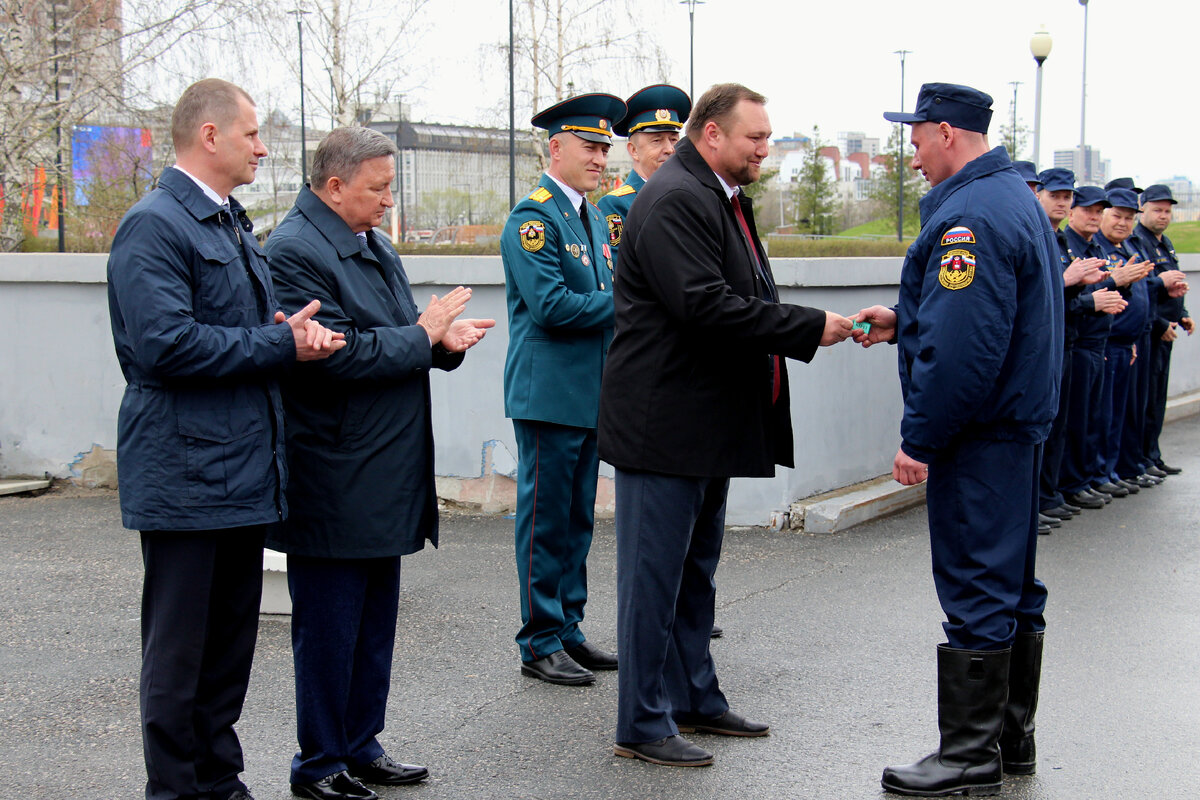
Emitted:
<point x="829" y="638"/>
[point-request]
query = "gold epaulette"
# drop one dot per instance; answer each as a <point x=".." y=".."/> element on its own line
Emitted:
<point x="541" y="195"/>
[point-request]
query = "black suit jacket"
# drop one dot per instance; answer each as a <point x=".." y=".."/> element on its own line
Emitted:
<point x="688" y="383"/>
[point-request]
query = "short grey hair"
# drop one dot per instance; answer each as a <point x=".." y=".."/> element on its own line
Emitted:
<point x="343" y="151"/>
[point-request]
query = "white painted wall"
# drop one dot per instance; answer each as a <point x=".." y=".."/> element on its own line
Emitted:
<point x="60" y="386"/>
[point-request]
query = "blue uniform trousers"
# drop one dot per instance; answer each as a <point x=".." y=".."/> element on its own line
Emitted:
<point x="557" y="467"/>
<point x="200" y="602"/>
<point x="669" y="534"/>
<point x="343" y="633"/>
<point x="982" y="502"/>
<point x="1080" y="456"/>
<point x="1049" y="494"/>
<point x="1118" y="376"/>
<point x="1156" y="402"/>
<point x="1131" y="459"/>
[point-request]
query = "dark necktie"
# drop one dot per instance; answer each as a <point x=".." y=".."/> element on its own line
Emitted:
<point x="767" y="286"/>
<point x="583" y="215"/>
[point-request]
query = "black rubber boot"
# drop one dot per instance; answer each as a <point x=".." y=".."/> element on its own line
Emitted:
<point x="1017" y="749"/>
<point x="972" y="688"/>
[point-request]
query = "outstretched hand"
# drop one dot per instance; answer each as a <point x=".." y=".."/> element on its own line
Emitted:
<point x="464" y="334"/>
<point x="883" y="325"/>
<point x="312" y="339"/>
<point x="439" y="314"/>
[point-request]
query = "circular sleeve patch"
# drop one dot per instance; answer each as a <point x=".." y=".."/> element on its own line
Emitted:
<point x="533" y="235"/>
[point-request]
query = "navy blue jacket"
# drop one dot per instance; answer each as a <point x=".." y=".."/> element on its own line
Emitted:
<point x="200" y="431"/>
<point x="1128" y="326"/>
<point x="1091" y="326"/>
<point x="360" y="436"/>
<point x="1166" y="309"/>
<point x="980" y="318"/>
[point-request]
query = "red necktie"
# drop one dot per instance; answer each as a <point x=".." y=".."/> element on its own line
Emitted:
<point x="741" y="218"/>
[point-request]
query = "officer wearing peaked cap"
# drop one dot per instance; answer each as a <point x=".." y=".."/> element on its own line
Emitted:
<point x="558" y="271"/>
<point x="652" y="122"/>
<point x="1122" y="183"/>
<point x="979" y="333"/>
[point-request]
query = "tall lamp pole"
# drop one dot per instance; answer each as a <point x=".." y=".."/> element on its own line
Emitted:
<point x="691" y="4"/>
<point x="1084" y="160"/>
<point x="1039" y="46"/>
<point x="900" y="157"/>
<point x="58" y="165"/>
<point x="1014" y="84"/>
<point x="299" y="12"/>
<point x="512" y="128"/>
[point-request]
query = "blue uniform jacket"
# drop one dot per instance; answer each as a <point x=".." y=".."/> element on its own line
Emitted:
<point x="1166" y="309"/>
<point x="1130" y="324"/>
<point x="200" y="431"/>
<point x="980" y="318"/>
<point x="615" y="207"/>
<point x="359" y="431"/>
<point x="560" y="309"/>
<point x="1091" y="326"/>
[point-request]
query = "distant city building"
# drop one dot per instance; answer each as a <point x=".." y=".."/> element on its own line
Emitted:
<point x="1089" y="168"/>
<point x="850" y="142"/>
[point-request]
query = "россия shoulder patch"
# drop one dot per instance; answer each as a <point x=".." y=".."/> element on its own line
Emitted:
<point x="958" y="236"/>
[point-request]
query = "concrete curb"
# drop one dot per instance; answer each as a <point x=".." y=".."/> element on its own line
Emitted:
<point x="852" y="505"/>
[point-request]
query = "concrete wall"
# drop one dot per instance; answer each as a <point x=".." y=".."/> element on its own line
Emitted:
<point x="60" y="386"/>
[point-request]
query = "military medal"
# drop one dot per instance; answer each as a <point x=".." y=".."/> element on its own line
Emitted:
<point x="574" y="251"/>
<point x="586" y="261"/>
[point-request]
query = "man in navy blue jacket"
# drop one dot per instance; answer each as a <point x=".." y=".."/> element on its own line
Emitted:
<point x="361" y="424"/>
<point x="201" y="342"/>
<point x="979" y="327"/>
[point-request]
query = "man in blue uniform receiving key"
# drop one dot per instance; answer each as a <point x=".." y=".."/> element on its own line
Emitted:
<point x="979" y="327"/>
<point x="558" y="276"/>
<point x="652" y="122"/>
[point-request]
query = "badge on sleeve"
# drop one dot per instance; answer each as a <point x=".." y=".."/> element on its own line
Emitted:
<point x="958" y="236"/>
<point x="958" y="269"/>
<point x="533" y="235"/>
<point x="614" y="229"/>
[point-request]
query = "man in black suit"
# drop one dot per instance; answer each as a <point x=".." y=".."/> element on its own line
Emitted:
<point x="695" y="391"/>
<point x="361" y="430"/>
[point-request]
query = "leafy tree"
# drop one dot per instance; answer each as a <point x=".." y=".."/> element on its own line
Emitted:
<point x="886" y="190"/>
<point x="815" y="190"/>
<point x="1013" y="138"/>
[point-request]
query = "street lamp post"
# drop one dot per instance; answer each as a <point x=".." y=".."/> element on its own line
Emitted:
<point x="400" y="163"/>
<point x="299" y="12"/>
<point x="1085" y="170"/>
<point x="512" y="128"/>
<point x="691" y="4"/>
<point x="60" y="192"/>
<point x="900" y="157"/>
<point x="1039" y="46"/>
<point x="1014" y="84"/>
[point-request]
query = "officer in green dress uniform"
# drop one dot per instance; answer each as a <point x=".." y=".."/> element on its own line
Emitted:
<point x="558" y="269"/>
<point x="652" y="123"/>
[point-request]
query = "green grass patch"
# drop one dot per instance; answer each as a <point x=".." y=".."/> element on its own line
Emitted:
<point x="833" y="247"/>
<point x="1185" y="236"/>
<point x="884" y="227"/>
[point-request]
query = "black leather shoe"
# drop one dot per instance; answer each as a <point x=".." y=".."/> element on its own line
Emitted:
<point x="1043" y="529"/>
<point x="1169" y="470"/>
<point x="1071" y="508"/>
<point x="338" y="786"/>
<point x="717" y="632"/>
<point x="1155" y="472"/>
<point x="558" y="667"/>
<point x="240" y="794"/>
<point x="673" y="751"/>
<point x="1111" y="488"/>
<point x="385" y="772"/>
<point x="1103" y="497"/>
<point x="731" y="723"/>
<point x="1130" y="485"/>
<point x="1085" y="499"/>
<point x="1058" y="513"/>
<point x="1053" y="522"/>
<point x="588" y="656"/>
<point x="1147" y="478"/>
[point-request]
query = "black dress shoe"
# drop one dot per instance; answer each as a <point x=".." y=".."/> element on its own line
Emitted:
<point x="588" y="656"/>
<point x="1108" y="487"/>
<point x="1155" y="472"/>
<point x="1071" y="508"/>
<point x="240" y="794"/>
<point x="1053" y="522"/>
<point x="1169" y="470"/>
<point x="385" y="772"/>
<point x="1043" y="529"/>
<point x="1085" y="499"/>
<point x="673" y="751"/>
<point x="730" y="723"/>
<point x="338" y="786"/>
<point x="1129" y="485"/>
<point x="1147" y="479"/>
<point x="717" y="632"/>
<point x="1058" y="513"/>
<point x="1103" y="497"/>
<point x="558" y="667"/>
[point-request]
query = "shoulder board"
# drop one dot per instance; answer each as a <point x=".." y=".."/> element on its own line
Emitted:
<point x="622" y="190"/>
<point x="541" y="195"/>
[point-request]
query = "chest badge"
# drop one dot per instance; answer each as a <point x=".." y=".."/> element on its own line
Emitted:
<point x="957" y="270"/>
<point x="574" y="251"/>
